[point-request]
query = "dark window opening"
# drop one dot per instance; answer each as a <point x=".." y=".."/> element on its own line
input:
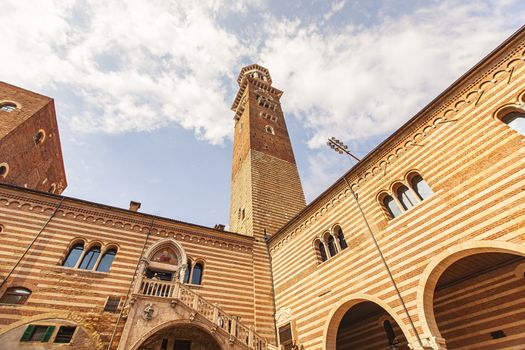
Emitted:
<point x="74" y="254"/>
<point x="285" y="337"/>
<point x="107" y="260"/>
<point x="188" y="273"/>
<point x="515" y="120"/>
<point x="182" y="345"/>
<point x="7" y="107"/>
<point x="3" y="170"/>
<point x="421" y="187"/>
<point x="164" y="345"/>
<point x="341" y="239"/>
<point x="331" y="245"/>
<point x="389" y="330"/>
<point x="322" y="251"/>
<point x="112" y="304"/>
<point x="15" y="296"/>
<point x="39" y="137"/>
<point x="498" y="334"/>
<point x="89" y="260"/>
<point x="406" y="197"/>
<point x="196" y="278"/>
<point x="65" y="334"/>
<point x="392" y="207"/>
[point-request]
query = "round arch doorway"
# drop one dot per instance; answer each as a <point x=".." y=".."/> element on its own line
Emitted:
<point x="478" y="301"/>
<point x="367" y="326"/>
<point x="180" y="337"/>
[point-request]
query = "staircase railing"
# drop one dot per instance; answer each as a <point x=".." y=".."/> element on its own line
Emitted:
<point x="230" y="324"/>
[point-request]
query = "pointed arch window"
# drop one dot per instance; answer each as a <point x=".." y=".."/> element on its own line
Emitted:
<point x="74" y="254"/>
<point x="421" y="187"/>
<point x="406" y="197"/>
<point x="341" y="238"/>
<point x="15" y="296"/>
<point x="107" y="260"/>
<point x="515" y="120"/>
<point x="322" y="251"/>
<point x="392" y="207"/>
<point x="187" y="273"/>
<point x="196" y="277"/>
<point x="90" y="258"/>
<point x="331" y="245"/>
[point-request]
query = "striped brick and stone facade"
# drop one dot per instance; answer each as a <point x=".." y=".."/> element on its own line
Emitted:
<point x="447" y="272"/>
<point x="420" y="245"/>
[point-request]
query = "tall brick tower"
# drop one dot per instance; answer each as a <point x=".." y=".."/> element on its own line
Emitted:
<point x="266" y="189"/>
<point x="30" y="152"/>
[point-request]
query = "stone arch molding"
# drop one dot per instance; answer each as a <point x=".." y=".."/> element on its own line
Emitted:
<point x="203" y="327"/>
<point x="337" y="313"/>
<point x="439" y="264"/>
<point x="182" y="258"/>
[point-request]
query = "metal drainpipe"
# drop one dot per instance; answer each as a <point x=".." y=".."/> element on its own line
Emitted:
<point x="130" y="286"/>
<point x="385" y="263"/>
<point x="266" y="238"/>
<point x="32" y="242"/>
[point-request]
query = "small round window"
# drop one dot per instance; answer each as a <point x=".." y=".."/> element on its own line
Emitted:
<point x="270" y="130"/>
<point x="40" y="136"/>
<point x="7" y="107"/>
<point x="4" y="169"/>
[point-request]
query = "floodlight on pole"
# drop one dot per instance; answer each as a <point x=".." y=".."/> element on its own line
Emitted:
<point x="339" y="146"/>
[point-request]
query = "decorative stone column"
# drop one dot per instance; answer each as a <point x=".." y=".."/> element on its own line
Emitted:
<point x="143" y="265"/>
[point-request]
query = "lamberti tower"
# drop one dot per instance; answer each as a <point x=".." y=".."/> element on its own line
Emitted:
<point x="266" y="189"/>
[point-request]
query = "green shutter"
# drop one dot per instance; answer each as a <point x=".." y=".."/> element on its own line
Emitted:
<point x="28" y="333"/>
<point x="47" y="335"/>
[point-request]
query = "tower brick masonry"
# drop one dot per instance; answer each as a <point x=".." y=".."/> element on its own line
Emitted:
<point x="30" y="155"/>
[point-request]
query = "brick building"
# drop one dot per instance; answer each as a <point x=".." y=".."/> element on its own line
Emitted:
<point x="420" y="245"/>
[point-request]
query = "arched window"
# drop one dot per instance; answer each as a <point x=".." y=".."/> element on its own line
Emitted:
<point x="341" y="238"/>
<point x="421" y="187"/>
<point x="74" y="254"/>
<point x="406" y="197"/>
<point x="196" y="277"/>
<point x="7" y="107"/>
<point x="107" y="260"/>
<point x="389" y="330"/>
<point x="90" y="258"/>
<point x="515" y="120"/>
<point x="15" y="295"/>
<point x="391" y="205"/>
<point x="331" y="245"/>
<point x="188" y="273"/>
<point x="322" y="251"/>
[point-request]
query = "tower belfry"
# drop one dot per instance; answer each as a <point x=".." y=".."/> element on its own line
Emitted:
<point x="266" y="189"/>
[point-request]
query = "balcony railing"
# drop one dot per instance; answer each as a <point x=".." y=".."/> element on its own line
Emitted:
<point x="230" y="324"/>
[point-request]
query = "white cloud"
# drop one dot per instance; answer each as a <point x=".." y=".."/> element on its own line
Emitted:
<point x="357" y="82"/>
<point x="134" y="65"/>
<point x="363" y="82"/>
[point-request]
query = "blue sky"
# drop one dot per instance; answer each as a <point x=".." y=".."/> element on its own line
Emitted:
<point x="143" y="88"/>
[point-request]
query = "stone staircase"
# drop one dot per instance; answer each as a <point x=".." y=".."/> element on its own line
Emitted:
<point x="177" y="292"/>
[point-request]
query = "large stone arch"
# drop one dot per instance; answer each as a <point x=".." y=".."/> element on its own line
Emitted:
<point x="71" y="317"/>
<point x="339" y="310"/>
<point x="180" y="253"/>
<point x="178" y="323"/>
<point x="440" y="263"/>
